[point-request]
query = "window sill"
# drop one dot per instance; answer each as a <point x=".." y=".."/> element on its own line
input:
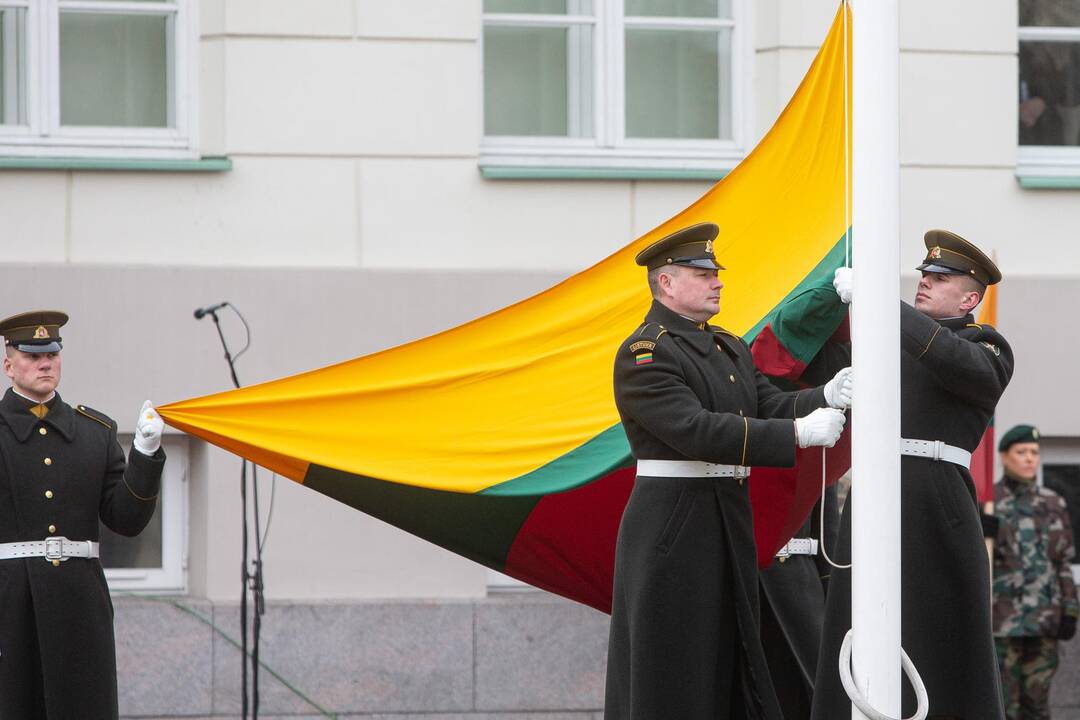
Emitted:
<point x="1050" y="182"/>
<point x="526" y="172"/>
<point x="1048" y="167"/>
<point x="558" y="160"/>
<point x="205" y="164"/>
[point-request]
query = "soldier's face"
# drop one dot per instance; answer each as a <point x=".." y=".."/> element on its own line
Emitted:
<point x="1021" y="460"/>
<point x="692" y="292"/>
<point x="944" y="296"/>
<point x="35" y="375"/>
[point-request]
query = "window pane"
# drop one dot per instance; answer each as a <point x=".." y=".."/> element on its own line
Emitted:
<point x="679" y="8"/>
<point x="540" y="7"/>
<point x="1050" y="13"/>
<point x="678" y="84"/>
<point x="113" y="70"/>
<point x="1049" y="93"/>
<point x="141" y="551"/>
<point x="13" y="66"/>
<point x="538" y="81"/>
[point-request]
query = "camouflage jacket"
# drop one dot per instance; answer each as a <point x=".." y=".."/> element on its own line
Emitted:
<point x="1033" y="583"/>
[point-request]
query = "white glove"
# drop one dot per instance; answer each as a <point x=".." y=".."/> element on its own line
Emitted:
<point x="842" y="283"/>
<point x="821" y="427"/>
<point x="148" y="430"/>
<point x="838" y="390"/>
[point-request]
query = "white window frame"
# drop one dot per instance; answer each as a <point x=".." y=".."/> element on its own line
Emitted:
<point x="1048" y="161"/>
<point x="171" y="577"/>
<point x="609" y="148"/>
<point x="44" y="136"/>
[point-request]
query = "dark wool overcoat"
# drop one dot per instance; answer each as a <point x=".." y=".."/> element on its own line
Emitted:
<point x="793" y="613"/>
<point x="684" y="639"/>
<point x="952" y="373"/>
<point x="58" y="476"/>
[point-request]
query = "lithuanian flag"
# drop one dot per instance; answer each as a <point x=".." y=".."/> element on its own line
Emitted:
<point x="499" y="439"/>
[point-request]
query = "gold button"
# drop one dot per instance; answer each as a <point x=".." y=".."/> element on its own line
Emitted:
<point x="52" y="528"/>
<point x="56" y="563"/>
<point x="731" y="378"/>
<point x="42" y="431"/>
<point x="782" y="560"/>
<point x="48" y="461"/>
<point x="48" y="494"/>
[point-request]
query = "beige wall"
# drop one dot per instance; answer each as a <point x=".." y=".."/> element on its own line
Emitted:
<point x="354" y="127"/>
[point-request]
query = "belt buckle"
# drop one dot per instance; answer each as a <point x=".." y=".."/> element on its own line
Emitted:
<point x="54" y="549"/>
<point x="939" y="448"/>
<point x="741" y="472"/>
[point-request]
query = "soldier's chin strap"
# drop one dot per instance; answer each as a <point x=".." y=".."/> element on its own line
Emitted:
<point x="860" y="702"/>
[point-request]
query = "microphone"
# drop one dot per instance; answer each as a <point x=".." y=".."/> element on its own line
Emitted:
<point x="201" y="312"/>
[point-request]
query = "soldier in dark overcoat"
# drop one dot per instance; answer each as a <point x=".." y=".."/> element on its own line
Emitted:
<point x="61" y="470"/>
<point x="684" y="639"/>
<point x="952" y="372"/>
<point x="793" y="586"/>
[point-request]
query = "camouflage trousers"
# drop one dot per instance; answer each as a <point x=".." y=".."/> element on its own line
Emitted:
<point x="1027" y="665"/>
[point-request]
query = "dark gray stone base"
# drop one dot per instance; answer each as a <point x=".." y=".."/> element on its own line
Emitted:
<point x="520" y="656"/>
<point x="516" y="656"/>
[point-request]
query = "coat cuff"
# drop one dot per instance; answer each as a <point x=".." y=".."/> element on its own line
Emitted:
<point x="142" y="477"/>
<point x="769" y="443"/>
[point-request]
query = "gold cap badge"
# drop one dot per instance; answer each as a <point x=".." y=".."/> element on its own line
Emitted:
<point x="41" y="333"/>
<point x="935" y="253"/>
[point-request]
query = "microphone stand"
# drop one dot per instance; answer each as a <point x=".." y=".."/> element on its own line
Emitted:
<point x="248" y="580"/>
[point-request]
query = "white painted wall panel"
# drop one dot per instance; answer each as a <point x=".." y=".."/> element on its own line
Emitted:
<point x="1035" y="232"/>
<point x="33" y="208"/>
<point x="777" y="76"/>
<point x="655" y="202"/>
<point x="212" y="106"/>
<point x="959" y="25"/>
<point x="353" y="97"/>
<point x="450" y="19"/>
<point x="326" y="18"/>
<point x="443" y="214"/>
<point x="958" y="109"/>
<point x="293" y="212"/>
<point x="211" y="17"/>
<point x="792" y="23"/>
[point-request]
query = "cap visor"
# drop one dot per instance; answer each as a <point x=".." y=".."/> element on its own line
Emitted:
<point x="703" y="263"/>
<point x="943" y="270"/>
<point x="46" y="348"/>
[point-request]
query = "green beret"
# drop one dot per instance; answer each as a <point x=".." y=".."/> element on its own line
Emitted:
<point x="1018" y="434"/>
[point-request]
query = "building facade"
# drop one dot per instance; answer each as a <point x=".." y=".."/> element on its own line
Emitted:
<point x="353" y="174"/>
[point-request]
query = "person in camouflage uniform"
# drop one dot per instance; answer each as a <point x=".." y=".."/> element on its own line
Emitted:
<point x="1035" y="602"/>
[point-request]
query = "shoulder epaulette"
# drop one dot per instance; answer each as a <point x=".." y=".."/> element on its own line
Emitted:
<point x="652" y="331"/>
<point x="644" y="340"/>
<point x="722" y="331"/>
<point x="94" y="415"/>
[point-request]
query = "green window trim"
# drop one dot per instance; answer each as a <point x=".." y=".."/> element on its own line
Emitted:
<point x="204" y="164"/>
<point x="1049" y="182"/>
<point x="598" y="173"/>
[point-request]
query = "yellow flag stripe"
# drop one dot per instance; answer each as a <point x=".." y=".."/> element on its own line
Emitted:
<point x="508" y="393"/>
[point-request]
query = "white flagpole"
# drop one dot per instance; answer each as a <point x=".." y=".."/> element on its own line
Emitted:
<point x="875" y="537"/>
